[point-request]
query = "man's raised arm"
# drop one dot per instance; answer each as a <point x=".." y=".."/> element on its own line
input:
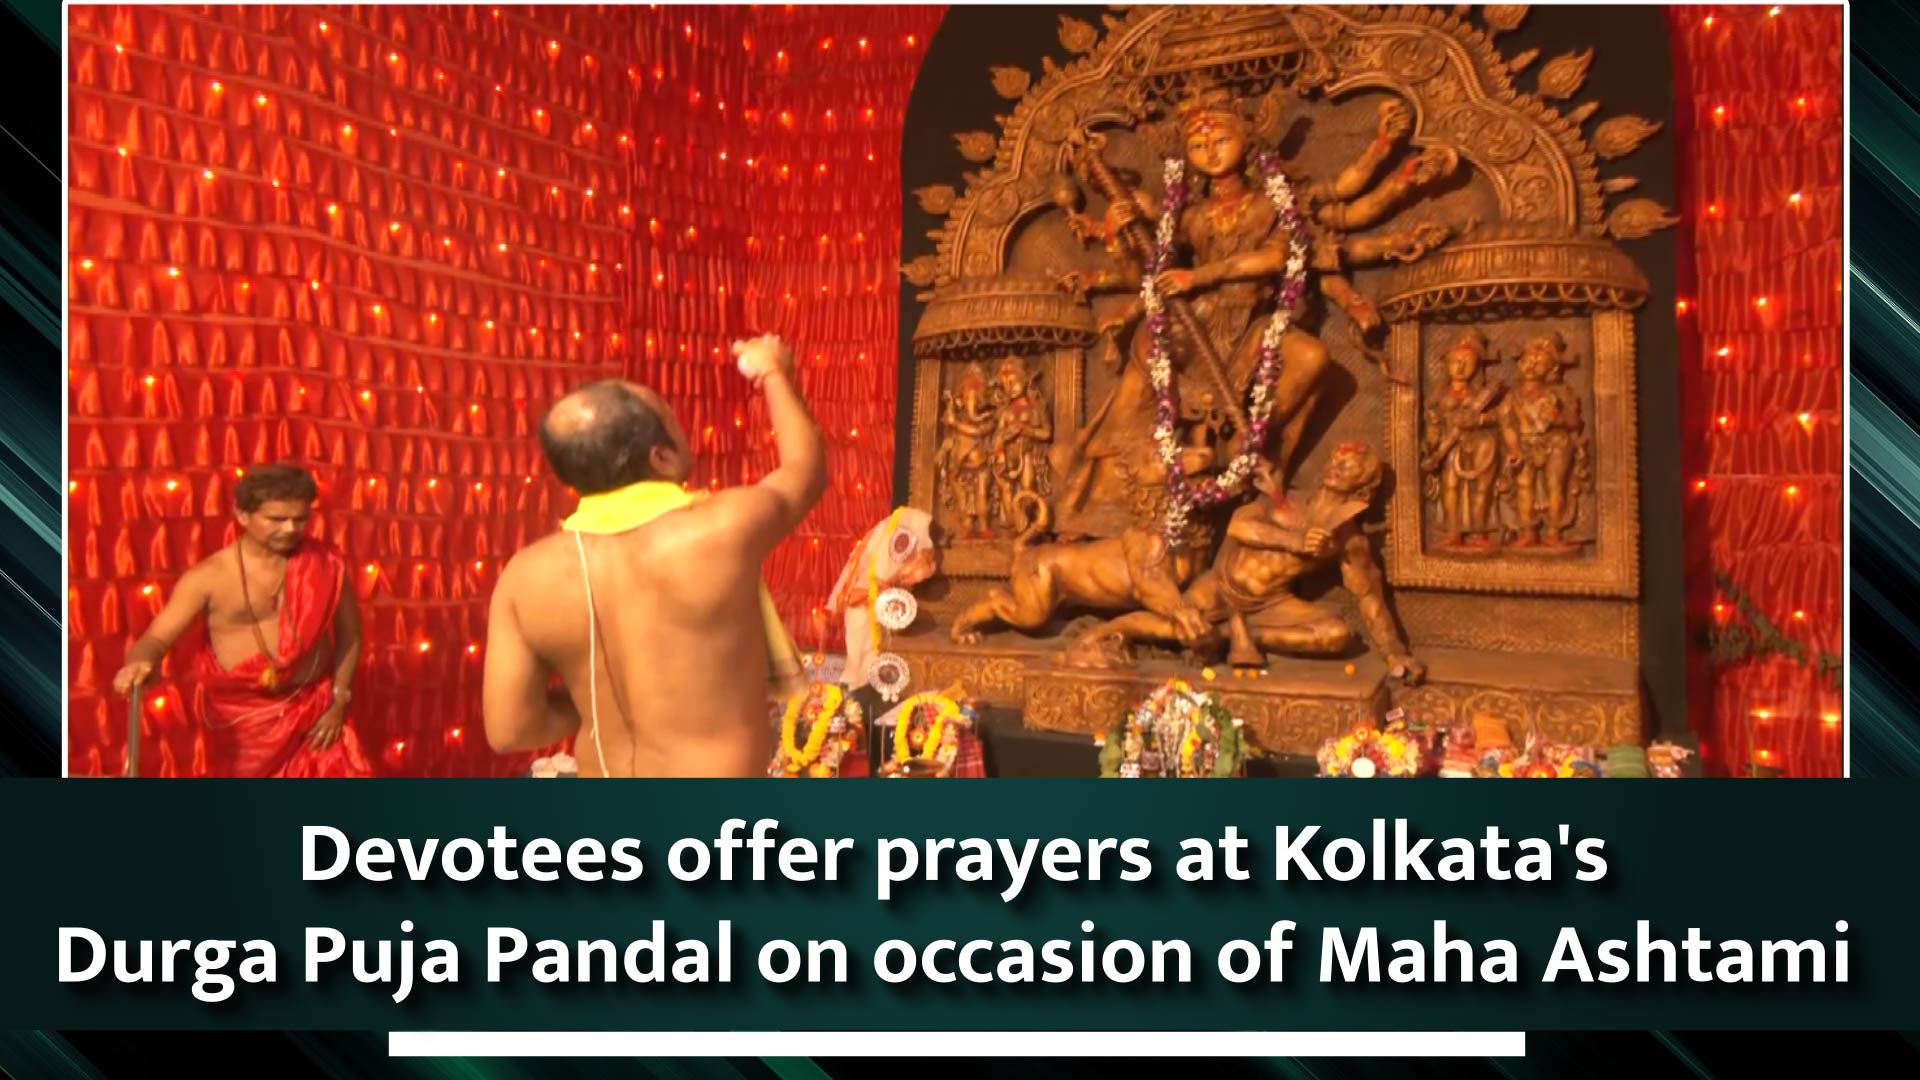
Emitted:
<point x="767" y="512"/>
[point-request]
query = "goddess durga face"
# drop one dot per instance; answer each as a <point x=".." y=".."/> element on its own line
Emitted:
<point x="1216" y="142"/>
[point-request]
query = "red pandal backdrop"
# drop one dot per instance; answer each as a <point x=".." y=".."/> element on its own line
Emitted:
<point x="1759" y="111"/>
<point x="381" y="241"/>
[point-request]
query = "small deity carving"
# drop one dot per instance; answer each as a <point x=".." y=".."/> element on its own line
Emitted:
<point x="963" y="464"/>
<point x="1461" y="459"/>
<point x="1022" y="428"/>
<point x="1250" y="592"/>
<point x="1547" y="447"/>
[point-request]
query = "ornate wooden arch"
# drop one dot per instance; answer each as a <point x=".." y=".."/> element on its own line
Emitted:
<point x="1541" y="167"/>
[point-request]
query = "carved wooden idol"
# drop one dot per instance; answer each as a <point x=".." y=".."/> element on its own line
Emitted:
<point x="1292" y="340"/>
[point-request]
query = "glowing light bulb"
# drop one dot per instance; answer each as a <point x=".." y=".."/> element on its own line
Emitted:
<point x="173" y="485"/>
<point x="173" y="271"/>
<point x="1725" y="351"/>
<point x="1760" y="301"/>
<point x="1793" y="491"/>
<point x="1806" y="420"/>
<point x="1830" y="718"/>
<point x="1794" y="199"/>
<point x="86" y="264"/>
<point x="393" y="226"/>
<point x="393" y="58"/>
<point x="366" y="395"/>
<point x="333" y="209"/>
<point x="149" y="380"/>
<point x="1699" y="485"/>
<point x="377" y="309"/>
<point x="260" y="100"/>
<point x="217" y="88"/>
<point x="1800" y="616"/>
<point x="146" y="590"/>
<point x="372" y="569"/>
<point x="346" y="129"/>
<point x="1725" y="420"/>
<point x="1680" y="307"/>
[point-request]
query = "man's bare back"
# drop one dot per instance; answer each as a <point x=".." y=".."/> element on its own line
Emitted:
<point x="677" y="665"/>
<point x="680" y="673"/>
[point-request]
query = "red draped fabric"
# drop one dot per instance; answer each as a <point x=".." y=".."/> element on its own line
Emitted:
<point x="380" y="241"/>
<point x="260" y="713"/>
<point x="1759" y="114"/>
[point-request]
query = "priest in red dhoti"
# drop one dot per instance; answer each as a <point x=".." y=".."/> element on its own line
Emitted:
<point x="283" y="639"/>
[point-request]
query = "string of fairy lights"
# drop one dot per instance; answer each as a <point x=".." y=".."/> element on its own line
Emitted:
<point x="493" y="223"/>
<point x="1774" y="320"/>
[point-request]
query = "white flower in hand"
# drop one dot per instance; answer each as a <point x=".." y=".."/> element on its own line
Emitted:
<point x="762" y="356"/>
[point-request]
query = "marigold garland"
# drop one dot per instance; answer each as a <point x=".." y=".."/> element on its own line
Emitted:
<point x="799" y="757"/>
<point x="945" y="710"/>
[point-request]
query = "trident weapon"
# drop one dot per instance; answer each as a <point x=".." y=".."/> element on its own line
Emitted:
<point x="1140" y="240"/>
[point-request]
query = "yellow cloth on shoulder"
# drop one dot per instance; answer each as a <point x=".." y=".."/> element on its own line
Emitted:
<point x="628" y="508"/>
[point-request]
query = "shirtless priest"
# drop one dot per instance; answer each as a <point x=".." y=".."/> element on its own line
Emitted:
<point x="648" y="603"/>
<point x="283" y="639"/>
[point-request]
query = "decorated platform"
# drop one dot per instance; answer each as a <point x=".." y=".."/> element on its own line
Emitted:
<point x="1293" y="705"/>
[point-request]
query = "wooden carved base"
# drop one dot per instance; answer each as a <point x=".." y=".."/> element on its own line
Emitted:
<point x="1297" y="704"/>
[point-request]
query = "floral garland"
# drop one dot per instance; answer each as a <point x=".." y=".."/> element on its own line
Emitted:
<point x="794" y="758"/>
<point x="939" y="741"/>
<point x="1754" y="636"/>
<point x="1365" y="752"/>
<point x="1176" y="732"/>
<point x="1185" y="497"/>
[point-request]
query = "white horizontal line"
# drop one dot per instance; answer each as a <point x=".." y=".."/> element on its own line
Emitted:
<point x="833" y="1044"/>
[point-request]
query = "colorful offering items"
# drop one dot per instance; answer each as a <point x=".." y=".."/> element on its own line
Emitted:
<point x="1176" y="733"/>
<point x="1366" y="753"/>
<point x="931" y="732"/>
<point x="821" y="732"/>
